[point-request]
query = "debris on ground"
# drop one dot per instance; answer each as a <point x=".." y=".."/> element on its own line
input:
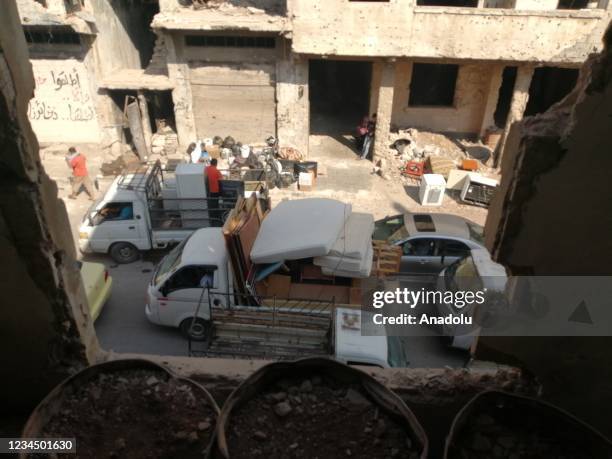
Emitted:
<point x="135" y="414"/>
<point x="164" y="142"/>
<point x="315" y="417"/>
<point x="439" y="154"/>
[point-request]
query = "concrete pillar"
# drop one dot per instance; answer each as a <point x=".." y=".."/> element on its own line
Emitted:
<point x="292" y="106"/>
<point x="178" y="71"/>
<point x="384" y="108"/>
<point x="488" y="119"/>
<point x="520" y="97"/>
<point x="146" y="121"/>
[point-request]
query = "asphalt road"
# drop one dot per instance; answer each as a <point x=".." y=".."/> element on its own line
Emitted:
<point x="122" y="325"/>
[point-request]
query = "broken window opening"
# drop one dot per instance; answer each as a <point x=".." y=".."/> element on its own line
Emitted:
<point x="572" y="4"/>
<point x="52" y="37"/>
<point x="225" y="41"/>
<point x="433" y="85"/>
<point x="456" y="3"/>
<point x="548" y="86"/>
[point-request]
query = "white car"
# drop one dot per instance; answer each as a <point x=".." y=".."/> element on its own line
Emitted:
<point x="430" y="242"/>
<point x="475" y="272"/>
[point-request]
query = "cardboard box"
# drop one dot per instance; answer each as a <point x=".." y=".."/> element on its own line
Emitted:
<point x="278" y="285"/>
<point x="214" y="151"/>
<point x="306" y="181"/>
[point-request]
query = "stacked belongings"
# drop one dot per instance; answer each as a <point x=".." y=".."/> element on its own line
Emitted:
<point x="240" y="230"/>
<point x="313" y="249"/>
<point x="352" y="253"/>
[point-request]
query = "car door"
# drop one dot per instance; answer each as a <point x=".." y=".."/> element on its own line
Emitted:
<point x="183" y="293"/>
<point x="452" y="250"/>
<point x="420" y="255"/>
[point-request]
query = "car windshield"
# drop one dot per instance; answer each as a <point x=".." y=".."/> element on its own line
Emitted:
<point x="476" y="232"/>
<point x="396" y="356"/>
<point x="170" y="261"/>
<point x="390" y="229"/>
<point x="91" y="210"/>
<point x="463" y="275"/>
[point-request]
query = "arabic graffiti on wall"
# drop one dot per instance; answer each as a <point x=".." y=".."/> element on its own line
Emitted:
<point x="62" y="98"/>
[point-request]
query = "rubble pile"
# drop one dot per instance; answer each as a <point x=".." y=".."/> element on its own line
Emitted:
<point x="164" y="142"/>
<point x="414" y="145"/>
<point x="316" y="417"/>
<point x="172" y="420"/>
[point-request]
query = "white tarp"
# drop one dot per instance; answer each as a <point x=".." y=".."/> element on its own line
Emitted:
<point x="352" y="247"/>
<point x="300" y="228"/>
<point x="355" y="236"/>
<point x="365" y="267"/>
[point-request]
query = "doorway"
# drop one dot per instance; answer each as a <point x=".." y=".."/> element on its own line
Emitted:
<point x="548" y="86"/>
<point x="339" y="95"/>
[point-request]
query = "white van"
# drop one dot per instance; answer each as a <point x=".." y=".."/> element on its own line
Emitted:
<point x="475" y="272"/>
<point x="176" y="298"/>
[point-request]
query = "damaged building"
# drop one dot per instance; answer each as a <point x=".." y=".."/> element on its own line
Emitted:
<point x="290" y="68"/>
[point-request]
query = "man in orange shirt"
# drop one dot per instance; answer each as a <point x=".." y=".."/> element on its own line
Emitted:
<point x="80" y="176"/>
<point x="213" y="176"/>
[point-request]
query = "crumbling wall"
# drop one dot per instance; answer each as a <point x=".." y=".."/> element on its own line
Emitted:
<point x="465" y="116"/>
<point x="551" y="216"/>
<point x="45" y="331"/>
<point x="401" y="29"/>
<point x="116" y="50"/>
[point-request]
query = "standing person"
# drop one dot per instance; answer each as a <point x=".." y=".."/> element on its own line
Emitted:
<point x="80" y="176"/>
<point x="361" y="131"/>
<point x="213" y="176"/>
<point x="369" y="137"/>
<point x="190" y="149"/>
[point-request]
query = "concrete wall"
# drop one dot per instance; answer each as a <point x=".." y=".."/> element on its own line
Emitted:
<point x="115" y="48"/>
<point x="551" y="216"/>
<point x="400" y="29"/>
<point x="292" y="100"/>
<point x="63" y="108"/>
<point x="45" y="331"/>
<point x="471" y="92"/>
<point x="466" y="114"/>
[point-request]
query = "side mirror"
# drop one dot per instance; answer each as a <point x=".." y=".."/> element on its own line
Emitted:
<point x="216" y="302"/>
<point x="164" y="290"/>
<point x="138" y="217"/>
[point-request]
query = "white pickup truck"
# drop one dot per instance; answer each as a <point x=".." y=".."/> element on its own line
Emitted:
<point x="273" y="329"/>
<point x="150" y="208"/>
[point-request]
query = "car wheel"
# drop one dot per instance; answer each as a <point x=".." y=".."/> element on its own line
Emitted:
<point x="124" y="252"/>
<point x="195" y="330"/>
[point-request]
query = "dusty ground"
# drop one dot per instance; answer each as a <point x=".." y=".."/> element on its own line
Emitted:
<point x="343" y="177"/>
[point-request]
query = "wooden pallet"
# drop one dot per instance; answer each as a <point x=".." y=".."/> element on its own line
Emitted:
<point x="386" y="260"/>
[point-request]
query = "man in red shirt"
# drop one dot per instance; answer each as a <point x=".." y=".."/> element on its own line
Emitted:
<point x="80" y="176"/>
<point x="213" y="176"/>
